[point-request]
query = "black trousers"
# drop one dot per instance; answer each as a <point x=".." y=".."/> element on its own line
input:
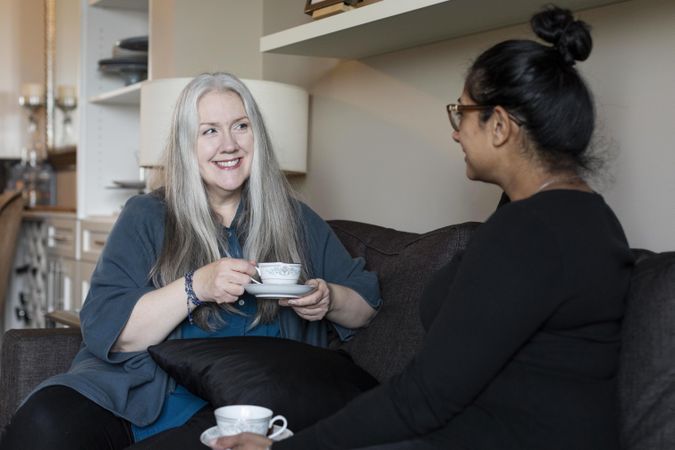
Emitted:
<point x="59" y="418"/>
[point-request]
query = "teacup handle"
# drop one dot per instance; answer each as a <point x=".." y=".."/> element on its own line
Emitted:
<point x="281" y="429"/>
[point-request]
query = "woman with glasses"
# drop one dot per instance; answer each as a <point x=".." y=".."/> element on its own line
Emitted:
<point x="523" y="330"/>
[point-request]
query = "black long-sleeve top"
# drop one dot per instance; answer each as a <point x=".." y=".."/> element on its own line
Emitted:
<point x="522" y="340"/>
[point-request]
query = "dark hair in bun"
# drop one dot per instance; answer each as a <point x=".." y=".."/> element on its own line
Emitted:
<point x="570" y="37"/>
<point x="539" y="86"/>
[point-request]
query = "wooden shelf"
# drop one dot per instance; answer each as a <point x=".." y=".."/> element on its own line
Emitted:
<point x="42" y="211"/>
<point x="391" y="25"/>
<point x="64" y="158"/>
<point x="128" y="95"/>
<point x="68" y="318"/>
<point x="141" y="5"/>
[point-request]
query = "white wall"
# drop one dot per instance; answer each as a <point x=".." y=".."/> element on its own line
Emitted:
<point x="190" y="37"/>
<point x="381" y="148"/>
<point x="22" y="58"/>
<point x="632" y="72"/>
<point x="22" y="61"/>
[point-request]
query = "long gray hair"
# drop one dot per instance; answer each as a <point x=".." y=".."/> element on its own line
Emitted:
<point x="269" y="223"/>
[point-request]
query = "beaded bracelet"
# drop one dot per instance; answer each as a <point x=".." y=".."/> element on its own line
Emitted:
<point x="191" y="297"/>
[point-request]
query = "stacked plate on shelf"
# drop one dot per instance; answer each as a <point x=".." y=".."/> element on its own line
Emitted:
<point x="129" y="60"/>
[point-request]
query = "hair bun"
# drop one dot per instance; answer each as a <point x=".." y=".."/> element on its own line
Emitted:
<point x="570" y="37"/>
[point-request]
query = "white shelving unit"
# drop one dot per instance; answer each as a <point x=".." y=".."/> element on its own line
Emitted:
<point x="391" y="25"/>
<point x="128" y="95"/>
<point x="109" y="124"/>
<point x="67" y="246"/>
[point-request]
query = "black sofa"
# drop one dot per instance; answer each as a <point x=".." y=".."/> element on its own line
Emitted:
<point x="404" y="262"/>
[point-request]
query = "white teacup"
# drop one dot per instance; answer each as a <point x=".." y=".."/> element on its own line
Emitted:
<point x="235" y="419"/>
<point x="279" y="272"/>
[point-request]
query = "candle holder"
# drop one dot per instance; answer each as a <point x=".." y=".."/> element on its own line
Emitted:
<point x="67" y="104"/>
<point x="33" y="103"/>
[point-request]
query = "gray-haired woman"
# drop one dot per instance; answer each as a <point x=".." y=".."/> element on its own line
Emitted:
<point x="225" y="205"/>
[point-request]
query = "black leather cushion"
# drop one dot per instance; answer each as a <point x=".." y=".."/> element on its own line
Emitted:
<point x="647" y="363"/>
<point x="302" y="382"/>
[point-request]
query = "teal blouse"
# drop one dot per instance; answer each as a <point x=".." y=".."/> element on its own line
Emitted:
<point x="181" y="404"/>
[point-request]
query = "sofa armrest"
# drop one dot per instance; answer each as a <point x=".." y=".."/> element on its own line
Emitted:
<point x="29" y="356"/>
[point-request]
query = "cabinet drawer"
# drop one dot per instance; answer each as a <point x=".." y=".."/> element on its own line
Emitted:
<point x="84" y="271"/>
<point x="94" y="237"/>
<point x="62" y="237"/>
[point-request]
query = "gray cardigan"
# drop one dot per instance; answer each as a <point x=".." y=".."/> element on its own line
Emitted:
<point x="130" y="384"/>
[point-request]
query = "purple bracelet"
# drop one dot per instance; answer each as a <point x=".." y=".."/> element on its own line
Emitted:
<point x="191" y="297"/>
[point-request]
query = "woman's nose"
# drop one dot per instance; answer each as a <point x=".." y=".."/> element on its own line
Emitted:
<point x="228" y="143"/>
<point x="455" y="136"/>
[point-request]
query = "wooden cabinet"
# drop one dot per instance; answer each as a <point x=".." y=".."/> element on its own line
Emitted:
<point x="84" y="271"/>
<point x="62" y="254"/>
<point x="94" y="234"/>
<point x="45" y="276"/>
<point x="55" y="259"/>
<point x="61" y="284"/>
<point x="62" y="236"/>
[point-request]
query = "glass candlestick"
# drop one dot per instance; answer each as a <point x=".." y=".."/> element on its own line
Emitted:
<point x="67" y="102"/>
<point x="33" y="103"/>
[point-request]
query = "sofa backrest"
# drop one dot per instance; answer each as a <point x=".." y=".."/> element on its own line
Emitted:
<point x="403" y="262"/>
<point x="647" y="362"/>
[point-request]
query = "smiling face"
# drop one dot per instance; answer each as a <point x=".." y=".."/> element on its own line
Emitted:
<point x="224" y="145"/>
<point x="474" y="138"/>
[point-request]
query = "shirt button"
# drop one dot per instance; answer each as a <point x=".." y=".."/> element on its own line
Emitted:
<point x="241" y="302"/>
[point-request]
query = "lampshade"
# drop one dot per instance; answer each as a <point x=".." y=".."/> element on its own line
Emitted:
<point x="285" y="110"/>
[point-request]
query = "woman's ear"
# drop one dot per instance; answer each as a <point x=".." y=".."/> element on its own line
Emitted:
<point x="502" y="127"/>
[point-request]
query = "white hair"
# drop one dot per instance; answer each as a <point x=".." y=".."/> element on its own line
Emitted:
<point x="269" y="223"/>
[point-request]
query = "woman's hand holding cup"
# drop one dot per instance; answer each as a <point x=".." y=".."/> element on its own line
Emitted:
<point x="242" y="441"/>
<point x="247" y="427"/>
<point x="223" y="281"/>
<point x="313" y="306"/>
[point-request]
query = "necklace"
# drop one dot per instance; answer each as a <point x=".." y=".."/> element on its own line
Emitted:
<point x="552" y="181"/>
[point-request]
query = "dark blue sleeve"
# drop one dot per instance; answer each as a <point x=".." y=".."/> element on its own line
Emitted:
<point x="121" y="276"/>
<point x="331" y="262"/>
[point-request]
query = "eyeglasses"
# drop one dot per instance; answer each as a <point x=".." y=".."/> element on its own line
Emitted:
<point x="455" y="111"/>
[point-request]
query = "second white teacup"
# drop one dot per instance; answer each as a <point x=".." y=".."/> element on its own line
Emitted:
<point x="235" y="419"/>
<point x="279" y="272"/>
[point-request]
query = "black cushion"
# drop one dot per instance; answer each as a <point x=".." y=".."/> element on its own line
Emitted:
<point x="302" y="382"/>
<point x="647" y="363"/>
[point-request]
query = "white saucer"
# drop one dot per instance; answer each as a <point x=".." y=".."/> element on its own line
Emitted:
<point x="278" y="290"/>
<point x="212" y="434"/>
